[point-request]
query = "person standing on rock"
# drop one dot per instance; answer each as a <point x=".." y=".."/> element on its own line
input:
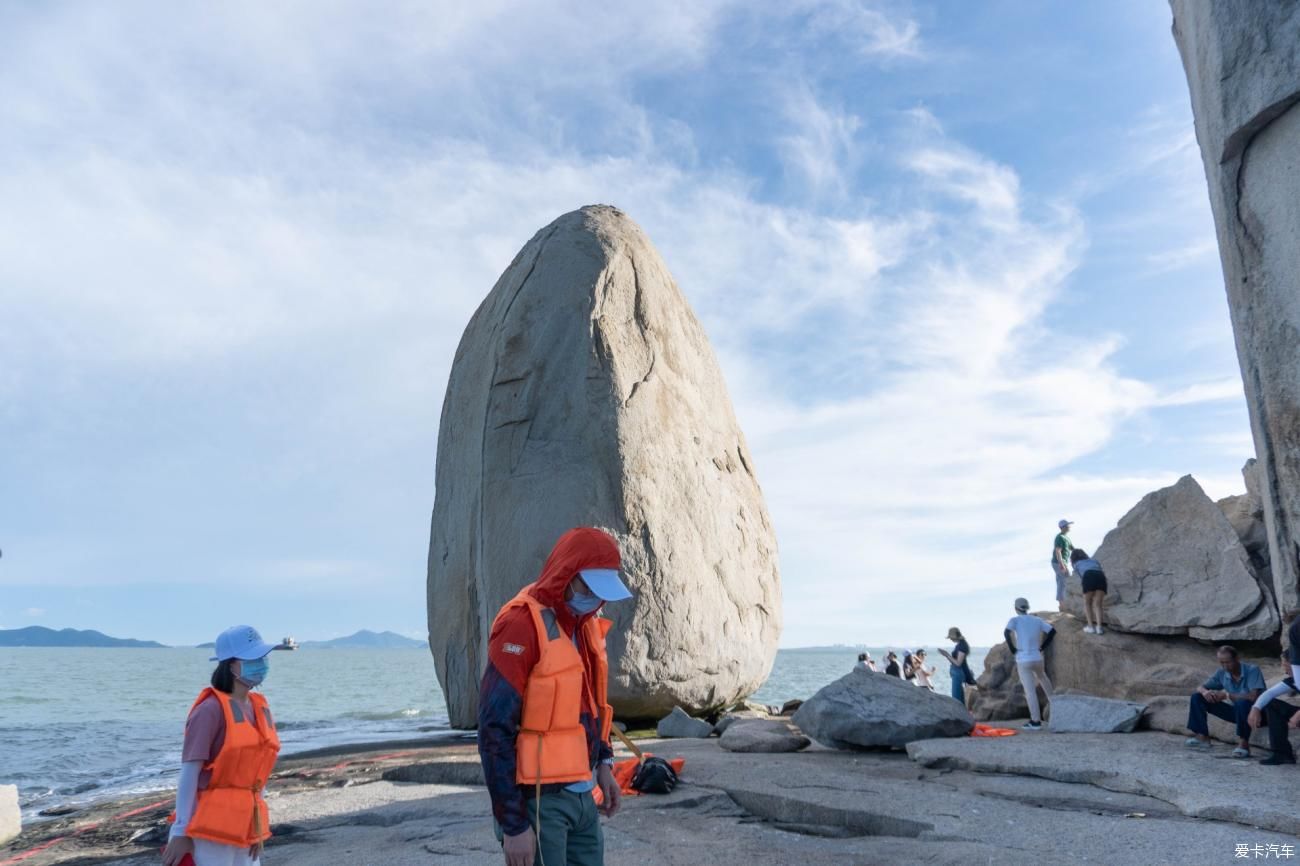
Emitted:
<point x="923" y="674"/>
<point x="1093" y="580"/>
<point x="891" y="665"/>
<point x="544" y="719"/>
<point x="865" y="663"/>
<point x="1062" y="547"/>
<point x="958" y="670"/>
<point x="1027" y="636"/>
<point x="1230" y="695"/>
<point x="229" y="750"/>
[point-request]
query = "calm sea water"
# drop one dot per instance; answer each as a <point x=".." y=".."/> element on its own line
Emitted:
<point x="78" y="725"/>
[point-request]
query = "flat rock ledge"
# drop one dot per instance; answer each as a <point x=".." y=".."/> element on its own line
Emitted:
<point x="1146" y="763"/>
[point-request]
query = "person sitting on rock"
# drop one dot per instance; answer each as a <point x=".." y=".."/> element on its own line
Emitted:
<point x="1228" y="695"/>
<point x="1094" y="588"/>
<point x="865" y="663"/>
<point x="1278" y="714"/>
<point x="1027" y="636"/>
<point x="891" y="665"/>
<point x="546" y="665"/>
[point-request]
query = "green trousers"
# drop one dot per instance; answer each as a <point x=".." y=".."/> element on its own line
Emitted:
<point x="570" y="830"/>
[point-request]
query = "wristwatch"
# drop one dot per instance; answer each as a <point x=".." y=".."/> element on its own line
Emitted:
<point x="608" y="762"/>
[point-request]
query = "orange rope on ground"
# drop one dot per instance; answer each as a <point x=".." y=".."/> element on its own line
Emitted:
<point x="32" y="852"/>
<point x="977" y="731"/>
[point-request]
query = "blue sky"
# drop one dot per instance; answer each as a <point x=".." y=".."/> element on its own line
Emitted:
<point x="956" y="260"/>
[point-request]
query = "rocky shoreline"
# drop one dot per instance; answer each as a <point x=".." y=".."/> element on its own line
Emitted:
<point x="1037" y="798"/>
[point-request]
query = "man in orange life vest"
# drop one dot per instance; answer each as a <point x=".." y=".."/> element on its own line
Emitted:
<point x="543" y="717"/>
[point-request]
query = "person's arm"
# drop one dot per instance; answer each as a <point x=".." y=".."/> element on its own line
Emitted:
<point x="512" y="653"/>
<point x="1209" y="689"/>
<point x="1048" y="637"/>
<point x="1275" y="692"/>
<point x="1010" y="637"/>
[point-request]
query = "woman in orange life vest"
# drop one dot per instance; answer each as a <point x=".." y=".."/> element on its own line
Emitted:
<point x="229" y="751"/>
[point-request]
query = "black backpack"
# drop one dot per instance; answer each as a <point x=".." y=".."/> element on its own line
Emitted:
<point x="654" y="776"/>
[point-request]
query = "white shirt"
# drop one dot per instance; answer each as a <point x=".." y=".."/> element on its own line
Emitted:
<point x="1028" y="630"/>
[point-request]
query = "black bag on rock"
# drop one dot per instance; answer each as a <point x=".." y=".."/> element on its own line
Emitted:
<point x="654" y="776"/>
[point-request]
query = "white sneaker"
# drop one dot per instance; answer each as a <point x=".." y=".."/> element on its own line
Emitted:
<point x="1098" y="630"/>
<point x="1087" y="629"/>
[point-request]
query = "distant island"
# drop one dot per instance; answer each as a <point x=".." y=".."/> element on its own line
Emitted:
<point x="368" y="640"/>
<point x="40" y="636"/>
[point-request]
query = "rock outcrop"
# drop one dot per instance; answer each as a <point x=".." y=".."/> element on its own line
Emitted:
<point x="1244" y="76"/>
<point x="1130" y="667"/>
<point x="1176" y="565"/>
<point x="679" y="723"/>
<point x="762" y="735"/>
<point x="1086" y="714"/>
<point x="863" y="710"/>
<point x="584" y="392"/>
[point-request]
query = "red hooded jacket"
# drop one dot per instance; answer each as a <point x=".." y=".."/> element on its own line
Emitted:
<point x="513" y="651"/>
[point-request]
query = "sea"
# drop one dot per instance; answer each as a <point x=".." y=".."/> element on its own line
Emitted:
<point x="82" y="725"/>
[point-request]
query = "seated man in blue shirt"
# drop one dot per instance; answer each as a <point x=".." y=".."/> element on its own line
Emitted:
<point x="1229" y="694"/>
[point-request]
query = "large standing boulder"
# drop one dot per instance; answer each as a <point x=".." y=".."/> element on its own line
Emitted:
<point x="863" y="710"/>
<point x="584" y="392"/>
<point x="1243" y="71"/>
<point x="1175" y="565"/>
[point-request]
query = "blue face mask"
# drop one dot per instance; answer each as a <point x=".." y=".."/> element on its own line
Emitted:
<point x="581" y="605"/>
<point x="252" y="672"/>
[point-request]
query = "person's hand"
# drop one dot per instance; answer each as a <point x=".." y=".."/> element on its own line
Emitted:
<point x="255" y="851"/>
<point x="519" y="849"/>
<point x="1211" y="697"/>
<point x="1256" y="718"/>
<point x="609" y="788"/>
<point x="177" y="848"/>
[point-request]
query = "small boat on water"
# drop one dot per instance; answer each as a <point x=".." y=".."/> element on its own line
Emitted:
<point x="288" y="644"/>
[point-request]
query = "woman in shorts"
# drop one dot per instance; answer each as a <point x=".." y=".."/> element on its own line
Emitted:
<point x="1094" y="588"/>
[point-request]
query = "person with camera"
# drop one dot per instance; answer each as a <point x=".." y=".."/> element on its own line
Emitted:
<point x="543" y="716"/>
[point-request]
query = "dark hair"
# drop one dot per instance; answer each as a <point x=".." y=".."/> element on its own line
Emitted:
<point x="223" y="678"/>
<point x="862" y="657"/>
<point x="1078" y="554"/>
<point x="1230" y="650"/>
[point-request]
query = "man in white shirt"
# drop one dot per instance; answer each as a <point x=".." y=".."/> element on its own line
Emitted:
<point x="1027" y="636"/>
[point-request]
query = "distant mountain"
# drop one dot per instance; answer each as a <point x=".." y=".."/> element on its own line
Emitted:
<point x="368" y="639"/>
<point x="209" y="645"/>
<point x="38" y="635"/>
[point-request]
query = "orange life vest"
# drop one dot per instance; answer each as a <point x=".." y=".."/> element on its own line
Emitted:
<point x="552" y="744"/>
<point x="230" y="810"/>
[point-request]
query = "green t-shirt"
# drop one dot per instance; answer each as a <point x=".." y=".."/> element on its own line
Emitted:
<point x="1064" y="545"/>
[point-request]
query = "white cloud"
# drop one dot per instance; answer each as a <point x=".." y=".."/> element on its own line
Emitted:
<point x="872" y="32"/>
<point x="1203" y="392"/>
